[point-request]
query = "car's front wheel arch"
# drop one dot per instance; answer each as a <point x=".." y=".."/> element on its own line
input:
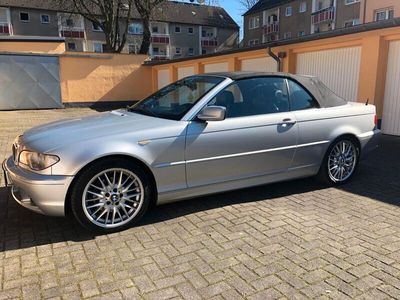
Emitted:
<point x="146" y="169"/>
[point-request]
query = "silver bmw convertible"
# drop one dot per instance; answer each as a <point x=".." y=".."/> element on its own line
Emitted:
<point x="203" y="134"/>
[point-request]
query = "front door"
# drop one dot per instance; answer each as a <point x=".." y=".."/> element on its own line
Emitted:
<point x="258" y="136"/>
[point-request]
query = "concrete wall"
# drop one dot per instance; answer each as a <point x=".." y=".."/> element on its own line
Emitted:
<point x="297" y="21"/>
<point x="104" y="77"/>
<point x="34" y="26"/>
<point x="346" y="12"/>
<point x="184" y="40"/>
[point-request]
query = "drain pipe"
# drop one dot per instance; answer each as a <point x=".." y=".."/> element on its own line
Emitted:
<point x="277" y="59"/>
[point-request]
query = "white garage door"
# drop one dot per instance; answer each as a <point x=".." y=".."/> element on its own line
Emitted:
<point x="339" y="69"/>
<point x="163" y="78"/>
<point x="185" y="72"/>
<point x="217" y="67"/>
<point x="391" y="105"/>
<point x="264" y="64"/>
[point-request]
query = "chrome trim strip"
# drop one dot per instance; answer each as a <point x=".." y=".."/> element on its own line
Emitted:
<point x="163" y="165"/>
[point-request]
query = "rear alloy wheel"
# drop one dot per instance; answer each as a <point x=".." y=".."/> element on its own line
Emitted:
<point x="111" y="195"/>
<point x="340" y="162"/>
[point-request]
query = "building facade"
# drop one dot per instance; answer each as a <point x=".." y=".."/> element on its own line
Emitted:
<point x="201" y="29"/>
<point x="270" y="20"/>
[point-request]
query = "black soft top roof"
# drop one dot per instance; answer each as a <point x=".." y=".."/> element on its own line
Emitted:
<point x="324" y="96"/>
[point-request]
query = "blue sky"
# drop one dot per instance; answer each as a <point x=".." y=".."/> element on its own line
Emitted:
<point x="234" y="9"/>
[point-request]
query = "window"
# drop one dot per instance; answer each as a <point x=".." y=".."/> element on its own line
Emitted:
<point x="287" y="35"/>
<point x="301" y="33"/>
<point x="133" y="49"/>
<point x="96" y="27"/>
<point x="348" y="2"/>
<point x="71" y="46"/>
<point x="24" y="17"/>
<point x="98" y="47"/>
<point x="351" y="23"/>
<point x="178" y="51"/>
<point x="255" y="96"/>
<point x="303" y="7"/>
<point x="203" y="51"/>
<point x="384" y="14"/>
<point x="254" y="22"/>
<point x="190" y="30"/>
<point x="135" y="28"/>
<point x="299" y="98"/>
<point x="44" y="19"/>
<point x="175" y="100"/>
<point x="191" y="51"/>
<point x="69" y="22"/>
<point x="177" y="29"/>
<point x="288" y="11"/>
<point x="154" y="29"/>
<point x="254" y="42"/>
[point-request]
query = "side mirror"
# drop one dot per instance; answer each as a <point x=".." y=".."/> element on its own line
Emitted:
<point x="212" y="113"/>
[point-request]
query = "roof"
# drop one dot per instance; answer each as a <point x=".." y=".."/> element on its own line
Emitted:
<point x="324" y="96"/>
<point x="171" y="11"/>
<point x="265" y="4"/>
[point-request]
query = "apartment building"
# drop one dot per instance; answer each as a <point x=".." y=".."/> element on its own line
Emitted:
<point x="270" y="20"/>
<point x="178" y="29"/>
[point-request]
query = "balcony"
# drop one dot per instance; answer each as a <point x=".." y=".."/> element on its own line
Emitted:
<point x="159" y="57"/>
<point x="72" y="32"/>
<point x="323" y="15"/>
<point x="160" y="38"/>
<point x="271" y="28"/>
<point x="209" y="42"/>
<point x="4" y="28"/>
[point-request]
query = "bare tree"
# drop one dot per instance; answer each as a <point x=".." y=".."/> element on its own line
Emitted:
<point x="145" y="9"/>
<point x="112" y="16"/>
<point x="247" y="4"/>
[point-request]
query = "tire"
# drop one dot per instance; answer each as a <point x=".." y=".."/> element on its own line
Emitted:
<point x="336" y="160"/>
<point x="111" y="195"/>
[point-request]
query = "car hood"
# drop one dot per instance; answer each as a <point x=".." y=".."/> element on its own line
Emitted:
<point x="53" y="135"/>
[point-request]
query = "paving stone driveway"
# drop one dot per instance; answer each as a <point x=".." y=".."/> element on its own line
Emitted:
<point x="290" y="240"/>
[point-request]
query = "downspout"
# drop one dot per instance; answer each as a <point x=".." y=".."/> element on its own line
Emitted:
<point x="276" y="58"/>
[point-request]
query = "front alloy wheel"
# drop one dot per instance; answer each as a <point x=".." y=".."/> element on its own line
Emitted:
<point x="111" y="195"/>
<point x="112" y="198"/>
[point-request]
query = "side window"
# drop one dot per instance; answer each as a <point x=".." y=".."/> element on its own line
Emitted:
<point x="300" y="99"/>
<point x="255" y="96"/>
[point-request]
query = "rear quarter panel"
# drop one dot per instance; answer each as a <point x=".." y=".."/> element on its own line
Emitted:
<point x="318" y="128"/>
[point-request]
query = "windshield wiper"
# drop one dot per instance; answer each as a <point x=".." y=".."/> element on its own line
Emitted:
<point x="142" y="111"/>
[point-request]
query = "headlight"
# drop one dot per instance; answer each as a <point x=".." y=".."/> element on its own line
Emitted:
<point x="37" y="161"/>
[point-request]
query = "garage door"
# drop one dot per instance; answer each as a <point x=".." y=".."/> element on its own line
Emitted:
<point x="264" y="64"/>
<point x="391" y="105"/>
<point x="339" y="69"/>
<point x="29" y="82"/>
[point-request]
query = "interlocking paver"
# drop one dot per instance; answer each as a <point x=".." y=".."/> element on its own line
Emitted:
<point x="295" y="240"/>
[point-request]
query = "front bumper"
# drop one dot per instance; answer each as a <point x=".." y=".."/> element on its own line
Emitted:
<point x="43" y="194"/>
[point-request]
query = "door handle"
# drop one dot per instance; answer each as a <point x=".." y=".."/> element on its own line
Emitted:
<point x="288" y="121"/>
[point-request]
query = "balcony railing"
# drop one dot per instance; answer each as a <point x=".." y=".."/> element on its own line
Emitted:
<point x="72" y="32"/>
<point x="323" y="15"/>
<point x="209" y="42"/>
<point x="271" y="28"/>
<point x="4" y="28"/>
<point x="160" y="38"/>
<point x="159" y="57"/>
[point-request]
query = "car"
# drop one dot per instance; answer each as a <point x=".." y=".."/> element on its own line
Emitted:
<point x="201" y="135"/>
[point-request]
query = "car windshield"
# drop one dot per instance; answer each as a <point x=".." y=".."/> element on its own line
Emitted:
<point x="175" y="100"/>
